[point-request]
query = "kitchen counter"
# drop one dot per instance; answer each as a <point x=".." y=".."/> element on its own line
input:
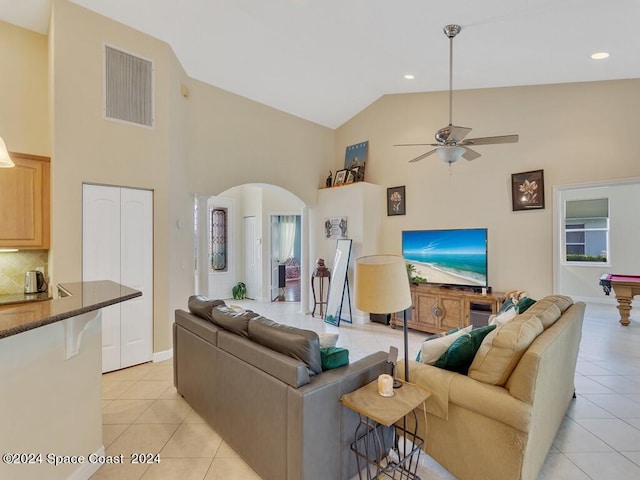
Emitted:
<point x="17" y="298"/>
<point x="50" y="373"/>
<point x="82" y="297"/>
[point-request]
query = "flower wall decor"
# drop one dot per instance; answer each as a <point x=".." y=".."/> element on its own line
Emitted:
<point x="396" y="202"/>
<point x="527" y="190"/>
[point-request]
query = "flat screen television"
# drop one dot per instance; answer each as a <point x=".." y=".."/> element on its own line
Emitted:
<point x="455" y="257"/>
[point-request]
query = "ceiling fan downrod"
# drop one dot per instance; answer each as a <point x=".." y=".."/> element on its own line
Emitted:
<point x="451" y="31"/>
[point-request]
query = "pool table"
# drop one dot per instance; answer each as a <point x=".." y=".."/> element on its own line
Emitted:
<point x="625" y="288"/>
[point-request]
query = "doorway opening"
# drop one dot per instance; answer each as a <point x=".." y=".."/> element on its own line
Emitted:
<point x="251" y="253"/>
<point x="286" y="254"/>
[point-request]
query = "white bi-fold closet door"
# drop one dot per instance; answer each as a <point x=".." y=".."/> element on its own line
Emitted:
<point x="117" y="244"/>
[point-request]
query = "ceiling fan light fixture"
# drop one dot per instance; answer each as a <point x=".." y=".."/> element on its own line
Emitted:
<point x="599" y="55"/>
<point x="450" y="153"/>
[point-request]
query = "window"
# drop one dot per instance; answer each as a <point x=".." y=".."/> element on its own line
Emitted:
<point x="587" y="231"/>
<point x="218" y="239"/>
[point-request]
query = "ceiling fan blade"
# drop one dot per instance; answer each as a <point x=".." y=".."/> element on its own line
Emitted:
<point x="490" y="140"/>
<point x="470" y="154"/>
<point x="457" y="134"/>
<point x="420" y="157"/>
<point x="417" y="145"/>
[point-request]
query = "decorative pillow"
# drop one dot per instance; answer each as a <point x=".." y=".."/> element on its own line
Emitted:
<point x="328" y="339"/>
<point x="334" y="357"/>
<point x="303" y="345"/>
<point x="201" y="306"/>
<point x="233" y="322"/>
<point x="431" y="337"/>
<point x="524" y="304"/>
<point x="508" y="304"/>
<point x="432" y="350"/>
<point x="460" y="354"/>
<point x="502" y="349"/>
<point x="546" y="310"/>
<point x="562" y="301"/>
<point x="503" y="317"/>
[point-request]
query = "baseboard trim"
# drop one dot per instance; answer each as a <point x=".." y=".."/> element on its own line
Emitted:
<point x="87" y="469"/>
<point x="604" y="300"/>
<point x="162" y="356"/>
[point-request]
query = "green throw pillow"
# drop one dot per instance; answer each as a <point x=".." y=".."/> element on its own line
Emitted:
<point x="459" y="355"/>
<point x="524" y="304"/>
<point x="334" y="357"/>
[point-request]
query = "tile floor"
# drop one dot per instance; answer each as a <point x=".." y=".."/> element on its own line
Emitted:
<point x="599" y="439"/>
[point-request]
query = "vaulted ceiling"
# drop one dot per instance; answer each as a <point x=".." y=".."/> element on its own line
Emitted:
<point x="325" y="60"/>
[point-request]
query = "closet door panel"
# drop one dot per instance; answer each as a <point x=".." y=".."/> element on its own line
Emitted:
<point x="137" y="272"/>
<point x="101" y="259"/>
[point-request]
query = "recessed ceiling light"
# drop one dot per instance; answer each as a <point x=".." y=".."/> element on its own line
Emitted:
<point x="408" y="76"/>
<point x="599" y="55"/>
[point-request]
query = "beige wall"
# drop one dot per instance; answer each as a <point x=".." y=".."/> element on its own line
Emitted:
<point x="576" y="132"/>
<point x="24" y="121"/>
<point x="235" y="141"/>
<point x="24" y="125"/>
<point x="202" y="144"/>
<point x="88" y="148"/>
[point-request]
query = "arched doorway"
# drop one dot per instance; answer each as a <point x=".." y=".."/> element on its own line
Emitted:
<point x="248" y="241"/>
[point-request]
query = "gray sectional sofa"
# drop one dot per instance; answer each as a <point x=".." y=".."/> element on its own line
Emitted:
<point x="257" y="383"/>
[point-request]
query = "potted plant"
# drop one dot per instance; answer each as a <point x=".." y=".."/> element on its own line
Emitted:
<point x="239" y="291"/>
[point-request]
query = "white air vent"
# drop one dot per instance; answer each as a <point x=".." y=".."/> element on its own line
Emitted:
<point x="128" y="87"/>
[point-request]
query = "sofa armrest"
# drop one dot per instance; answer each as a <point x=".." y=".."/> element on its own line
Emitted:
<point x="454" y="388"/>
<point x="436" y="380"/>
<point x="490" y="401"/>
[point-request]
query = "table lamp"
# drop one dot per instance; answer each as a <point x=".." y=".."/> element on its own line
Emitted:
<point x="5" y="159"/>
<point x="382" y="286"/>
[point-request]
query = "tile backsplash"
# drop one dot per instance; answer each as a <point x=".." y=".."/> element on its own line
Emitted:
<point x="14" y="264"/>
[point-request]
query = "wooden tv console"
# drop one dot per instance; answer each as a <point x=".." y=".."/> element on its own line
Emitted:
<point x="439" y="309"/>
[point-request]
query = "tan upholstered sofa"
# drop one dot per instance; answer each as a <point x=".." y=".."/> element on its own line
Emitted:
<point x="499" y="421"/>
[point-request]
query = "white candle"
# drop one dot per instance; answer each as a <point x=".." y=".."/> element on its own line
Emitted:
<point x="385" y="385"/>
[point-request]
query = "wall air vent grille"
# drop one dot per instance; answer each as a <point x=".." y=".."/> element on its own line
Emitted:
<point x="128" y="87"/>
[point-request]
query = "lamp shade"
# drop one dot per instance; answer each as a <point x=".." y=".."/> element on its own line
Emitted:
<point x="450" y="153"/>
<point x="5" y="159"/>
<point x="382" y="284"/>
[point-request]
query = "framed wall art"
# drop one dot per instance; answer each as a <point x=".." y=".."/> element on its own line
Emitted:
<point x="355" y="159"/>
<point x="341" y="176"/>
<point x="335" y="227"/>
<point x="396" y="201"/>
<point x="527" y="190"/>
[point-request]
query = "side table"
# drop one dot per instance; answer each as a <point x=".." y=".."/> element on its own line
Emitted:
<point x="399" y="458"/>
<point x="320" y="274"/>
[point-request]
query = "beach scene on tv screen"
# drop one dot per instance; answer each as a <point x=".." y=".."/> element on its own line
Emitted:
<point x="450" y="257"/>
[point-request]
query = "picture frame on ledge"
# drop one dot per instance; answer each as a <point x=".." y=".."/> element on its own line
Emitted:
<point x="396" y="201"/>
<point x="340" y="178"/>
<point x="527" y="190"/>
<point x="355" y="159"/>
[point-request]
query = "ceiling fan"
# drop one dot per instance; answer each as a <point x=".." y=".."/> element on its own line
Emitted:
<point x="452" y="144"/>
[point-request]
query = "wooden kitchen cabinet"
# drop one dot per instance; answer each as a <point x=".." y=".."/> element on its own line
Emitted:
<point x="439" y="309"/>
<point x="24" y="202"/>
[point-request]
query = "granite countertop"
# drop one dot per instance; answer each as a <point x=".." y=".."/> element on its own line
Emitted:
<point x="14" y="298"/>
<point x="82" y="297"/>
